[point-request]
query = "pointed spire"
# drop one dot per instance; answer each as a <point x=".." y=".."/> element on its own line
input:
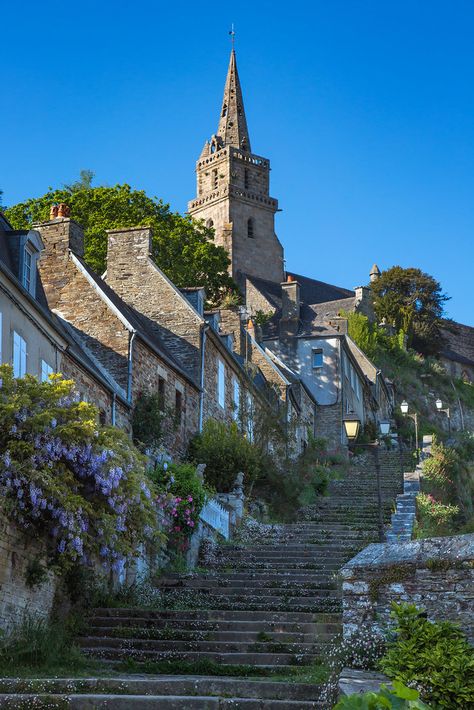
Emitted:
<point x="232" y="123"/>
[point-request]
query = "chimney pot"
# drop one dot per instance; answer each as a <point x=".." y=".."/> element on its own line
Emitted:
<point x="64" y="210"/>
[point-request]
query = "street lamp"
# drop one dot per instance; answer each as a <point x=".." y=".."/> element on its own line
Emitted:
<point x="404" y="409"/>
<point x="439" y="407"/>
<point x="351" y="428"/>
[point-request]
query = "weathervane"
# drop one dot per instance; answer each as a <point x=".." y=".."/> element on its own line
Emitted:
<point x="232" y="34"/>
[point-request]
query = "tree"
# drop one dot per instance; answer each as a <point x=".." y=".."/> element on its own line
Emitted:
<point x="413" y="302"/>
<point x="182" y="247"/>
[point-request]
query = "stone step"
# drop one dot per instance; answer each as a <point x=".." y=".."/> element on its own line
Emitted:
<point x="168" y="646"/>
<point x="202" y="634"/>
<point x="210" y="626"/>
<point x="266" y="660"/>
<point x="89" y="701"/>
<point x="264" y="595"/>
<point x="215" y="615"/>
<point x="262" y="578"/>
<point x="166" y="685"/>
<point x="252" y="585"/>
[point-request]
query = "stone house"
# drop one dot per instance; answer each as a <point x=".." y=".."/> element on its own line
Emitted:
<point x="117" y="338"/>
<point x="201" y="341"/>
<point x="310" y="337"/>
<point x="36" y="341"/>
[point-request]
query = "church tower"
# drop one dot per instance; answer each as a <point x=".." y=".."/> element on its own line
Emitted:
<point x="233" y="192"/>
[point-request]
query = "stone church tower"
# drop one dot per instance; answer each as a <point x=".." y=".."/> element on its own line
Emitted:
<point x="233" y="192"/>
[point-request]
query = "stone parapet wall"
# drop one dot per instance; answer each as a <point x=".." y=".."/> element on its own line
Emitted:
<point x="17" y="550"/>
<point x="436" y="574"/>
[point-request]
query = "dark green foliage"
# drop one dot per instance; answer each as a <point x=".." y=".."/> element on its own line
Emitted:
<point x="35" y="574"/>
<point x="182" y="483"/>
<point x="226" y="452"/>
<point x="182" y="247"/>
<point x="436" y="657"/>
<point x="398" y="698"/>
<point x="147" y="421"/>
<point x="413" y="302"/>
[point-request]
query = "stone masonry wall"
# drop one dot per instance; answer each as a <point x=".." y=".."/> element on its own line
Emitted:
<point x="329" y="424"/>
<point x="16" y="551"/>
<point x="436" y="574"/>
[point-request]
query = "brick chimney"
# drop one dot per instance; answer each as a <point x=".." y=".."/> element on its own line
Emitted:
<point x="290" y="299"/>
<point x="254" y="330"/>
<point x="128" y="251"/>
<point x="60" y="236"/>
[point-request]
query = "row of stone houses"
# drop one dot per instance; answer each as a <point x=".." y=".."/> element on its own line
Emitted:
<point x="133" y="332"/>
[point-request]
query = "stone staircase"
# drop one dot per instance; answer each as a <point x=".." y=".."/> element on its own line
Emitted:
<point x="252" y="630"/>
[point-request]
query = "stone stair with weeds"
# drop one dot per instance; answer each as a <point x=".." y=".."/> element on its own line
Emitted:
<point x="252" y="630"/>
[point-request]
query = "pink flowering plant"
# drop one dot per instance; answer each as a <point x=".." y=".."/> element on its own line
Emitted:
<point x="181" y="498"/>
<point x="81" y="486"/>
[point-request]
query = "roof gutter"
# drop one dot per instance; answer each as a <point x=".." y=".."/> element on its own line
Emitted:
<point x="131" y="338"/>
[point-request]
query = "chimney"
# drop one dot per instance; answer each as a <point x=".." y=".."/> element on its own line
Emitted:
<point x="254" y="330"/>
<point x="290" y="299"/>
<point x="60" y="236"/>
<point x="128" y="251"/>
<point x="61" y="233"/>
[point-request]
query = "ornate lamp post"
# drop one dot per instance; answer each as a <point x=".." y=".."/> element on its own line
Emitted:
<point x="404" y="408"/>
<point x="352" y="428"/>
<point x="439" y="407"/>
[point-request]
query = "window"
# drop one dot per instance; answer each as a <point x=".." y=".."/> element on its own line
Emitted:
<point x="236" y="399"/>
<point x="246" y="178"/>
<point x="161" y="391"/>
<point x="46" y="371"/>
<point x="215" y="179"/>
<point x="250" y="228"/>
<point x="178" y="408"/>
<point x="221" y="383"/>
<point x="19" y="355"/>
<point x="28" y="264"/>
<point x="224" y="111"/>
<point x="317" y="358"/>
<point x="210" y="223"/>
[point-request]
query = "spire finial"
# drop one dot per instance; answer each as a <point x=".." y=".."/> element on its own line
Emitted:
<point x="232" y="36"/>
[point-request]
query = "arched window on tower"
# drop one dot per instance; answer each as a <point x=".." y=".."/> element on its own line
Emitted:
<point x="250" y="228"/>
<point x="246" y="178"/>
<point x="224" y="111"/>
<point x="215" y="179"/>
<point x="210" y="223"/>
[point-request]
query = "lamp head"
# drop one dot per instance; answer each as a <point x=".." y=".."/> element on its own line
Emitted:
<point x="351" y="426"/>
<point x="385" y="428"/>
<point x="404" y="407"/>
<point x="439" y="404"/>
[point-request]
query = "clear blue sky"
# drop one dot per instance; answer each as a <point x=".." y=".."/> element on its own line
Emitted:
<point x="365" y="109"/>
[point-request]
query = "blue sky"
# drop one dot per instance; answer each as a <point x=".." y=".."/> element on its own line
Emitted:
<point x="365" y="109"/>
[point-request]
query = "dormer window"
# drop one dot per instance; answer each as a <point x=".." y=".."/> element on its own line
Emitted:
<point x="29" y="246"/>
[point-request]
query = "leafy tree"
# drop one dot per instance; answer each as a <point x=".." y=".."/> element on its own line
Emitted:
<point x="182" y="247"/>
<point x="413" y="302"/>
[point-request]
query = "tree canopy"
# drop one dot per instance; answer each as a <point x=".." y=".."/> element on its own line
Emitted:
<point x="413" y="302"/>
<point x="182" y="247"/>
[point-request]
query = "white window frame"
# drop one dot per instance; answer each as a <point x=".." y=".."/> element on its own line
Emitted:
<point x="221" y="383"/>
<point x="46" y="371"/>
<point x="29" y="265"/>
<point x="19" y="355"/>
<point x="250" y="420"/>
<point x="236" y="398"/>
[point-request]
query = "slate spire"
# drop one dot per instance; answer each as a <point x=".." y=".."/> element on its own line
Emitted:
<point x="232" y="123"/>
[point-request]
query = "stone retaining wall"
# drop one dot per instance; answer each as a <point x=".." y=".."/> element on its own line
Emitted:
<point x="436" y="574"/>
<point x="17" y="550"/>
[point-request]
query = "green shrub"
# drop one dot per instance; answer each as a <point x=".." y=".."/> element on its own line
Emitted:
<point x="434" y="518"/>
<point x="435" y="657"/>
<point x="226" y="452"/>
<point x="399" y="698"/>
<point x="147" y="421"/>
<point x="38" y="644"/>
